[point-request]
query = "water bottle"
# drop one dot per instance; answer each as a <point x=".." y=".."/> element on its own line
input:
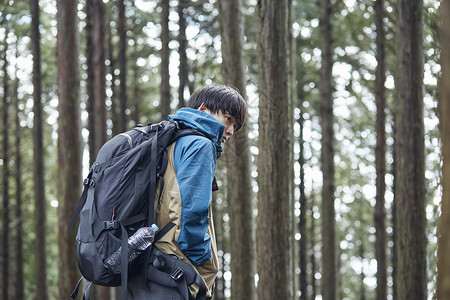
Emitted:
<point x="139" y="241"/>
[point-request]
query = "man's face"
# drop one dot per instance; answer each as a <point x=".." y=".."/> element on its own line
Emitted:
<point x="226" y="119"/>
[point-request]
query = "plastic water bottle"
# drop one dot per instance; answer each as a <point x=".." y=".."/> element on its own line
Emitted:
<point x="139" y="241"/>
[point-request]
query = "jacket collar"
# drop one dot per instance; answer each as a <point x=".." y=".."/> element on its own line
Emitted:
<point x="203" y="122"/>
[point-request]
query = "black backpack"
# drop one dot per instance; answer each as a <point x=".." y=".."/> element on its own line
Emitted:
<point x="118" y="199"/>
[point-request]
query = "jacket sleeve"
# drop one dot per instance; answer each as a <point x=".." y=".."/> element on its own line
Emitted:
<point x="195" y="164"/>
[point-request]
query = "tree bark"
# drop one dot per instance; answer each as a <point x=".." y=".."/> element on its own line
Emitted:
<point x="380" y="154"/>
<point x="329" y="264"/>
<point x="443" y="277"/>
<point x="5" y="177"/>
<point x="90" y="79"/>
<point x="411" y="279"/>
<point x="18" y="279"/>
<point x="274" y="195"/>
<point x="394" y="214"/>
<point x="122" y="30"/>
<point x="96" y="83"/>
<point x="69" y="141"/>
<point x="115" y="118"/>
<point x="362" y="295"/>
<point x="312" y="257"/>
<point x="96" y="77"/>
<point x="136" y="95"/>
<point x="303" y="248"/>
<point x="165" y="54"/>
<point x="98" y="64"/>
<point x="39" y="183"/>
<point x="183" y="72"/>
<point x="239" y="189"/>
<point x="218" y="210"/>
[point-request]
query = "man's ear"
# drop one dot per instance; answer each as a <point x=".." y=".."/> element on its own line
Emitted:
<point x="202" y="107"/>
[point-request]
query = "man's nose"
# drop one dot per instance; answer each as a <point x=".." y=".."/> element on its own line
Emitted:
<point x="230" y="130"/>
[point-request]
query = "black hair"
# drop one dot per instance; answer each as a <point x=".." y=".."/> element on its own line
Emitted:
<point x="221" y="98"/>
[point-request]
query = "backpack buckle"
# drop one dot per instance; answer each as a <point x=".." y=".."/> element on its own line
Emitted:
<point x="176" y="273"/>
<point x="89" y="182"/>
<point x="108" y="225"/>
<point x="96" y="167"/>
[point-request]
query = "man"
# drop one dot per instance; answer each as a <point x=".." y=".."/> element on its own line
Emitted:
<point x="216" y="111"/>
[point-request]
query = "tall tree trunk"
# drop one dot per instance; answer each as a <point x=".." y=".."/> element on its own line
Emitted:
<point x="443" y="278"/>
<point x="69" y="140"/>
<point x="394" y="214"/>
<point x="303" y="248"/>
<point x="305" y="236"/>
<point x="165" y="54"/>
<point x="411" y="279"/>
<point x="362" y="295"/>
<point x="380" y="153"/>
<point x="18" y="279"/>
<point x="274" y="194"/>
<point x="90" y="79"/>
<point x="312" y="257"/>
<point x="5" y="178"/>
<point x="112" y="68"/>
<point x="98" y="63"/>
<point x="136" y="95"/>
<point x="122" y="30"/>
<point x="292" y="96"/>
<point x="98" y="129"/>
<point x="96" y="86"/>
<point x="239" y="189"/>
<point x="39" y="184"/>
<point x="329" y="268"/>
<point x="183" y="72"/>
<point x="218" y="211"/>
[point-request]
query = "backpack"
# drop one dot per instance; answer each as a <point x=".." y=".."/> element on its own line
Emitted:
<point x="118" y="199"/>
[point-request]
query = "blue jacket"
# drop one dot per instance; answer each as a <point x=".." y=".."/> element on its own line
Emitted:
<point x="195" y="163"/>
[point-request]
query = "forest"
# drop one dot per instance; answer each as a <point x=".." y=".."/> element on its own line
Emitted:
<point x="338" y="185"/>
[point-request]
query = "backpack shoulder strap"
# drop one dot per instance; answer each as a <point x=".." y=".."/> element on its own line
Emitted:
<point x="81" y="202"/>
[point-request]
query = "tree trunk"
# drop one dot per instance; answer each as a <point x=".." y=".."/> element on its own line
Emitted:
<point x="274" y="143"/>
<point x="362" y="295"/>
<point x="306" y="237"/>
<point x="394" y="214"/>
<point x="18" y="279"/>
<point x="303" y="248"/>
<point x="39" y="184"/>
<point x="98" y="97"/>
<point x="443" y="278"/>
<point x="90" y="79"/>
<point x="123" y="67"/>
<point x="239" y="189"/>
<point x="165" y="54"/>
<point x="115" y="118"/>
<point x="5" y="178"/>
<point x="183" y="72"/>
<point x="136" y="95"/>
<point x="96" y="86"/>
<point x="98" y="61"/>
<point x="380" y="153"/>
<point x="312" y="257"/>
<point x="329" y="269"/>
<point x="411" y="279"/>
<point x="218" y="211"/>
<point x="69" y="141"/>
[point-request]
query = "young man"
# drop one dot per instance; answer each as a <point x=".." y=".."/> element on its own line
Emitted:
<point x="216" y="111"/>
